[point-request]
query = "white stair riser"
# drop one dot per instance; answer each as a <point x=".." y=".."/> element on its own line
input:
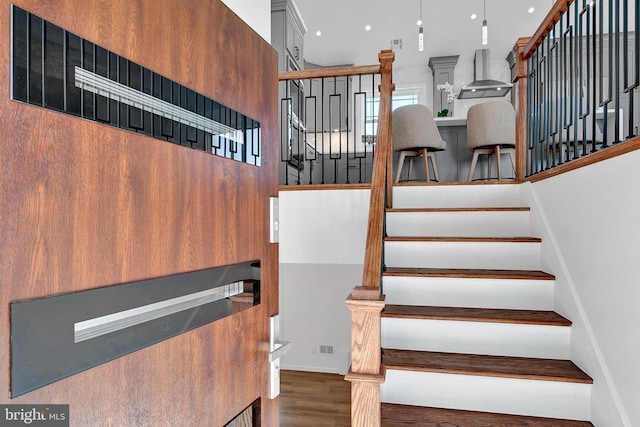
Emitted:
<point x="458" y="224"/>
<point x="498" y="339"/>
<point x="491" y="394"/>
<point x="473" y="293"/>
<point x="456" y="196"/>
<point x="473" y="255"/>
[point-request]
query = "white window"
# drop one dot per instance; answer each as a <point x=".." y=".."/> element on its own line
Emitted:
<point x="400" y="98"/>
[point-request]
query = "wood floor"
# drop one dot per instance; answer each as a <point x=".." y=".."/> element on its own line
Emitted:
<point x="314" y="399"/>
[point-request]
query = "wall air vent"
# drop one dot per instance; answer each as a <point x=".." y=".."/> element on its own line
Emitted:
<point x="396" y="44"/>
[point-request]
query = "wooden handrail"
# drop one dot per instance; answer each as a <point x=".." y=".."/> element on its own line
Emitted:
<point x="549" y="21"/>
<point x="380" y="184"/>
<point x="365" y="302"/>
<point x="329" y="72"/>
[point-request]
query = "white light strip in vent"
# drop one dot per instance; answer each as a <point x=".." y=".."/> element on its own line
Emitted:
<point x="118" y="92"/>
<point x="103" y="325"/>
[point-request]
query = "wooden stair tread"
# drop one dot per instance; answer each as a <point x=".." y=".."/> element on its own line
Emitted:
<point x="468" y="273"/>
<point x="493" y="315"/>
<point x="426" y="210"/>
<point x="463" y="239"/>
<point x="483" y="365"/>
<point x="394" y="415"/>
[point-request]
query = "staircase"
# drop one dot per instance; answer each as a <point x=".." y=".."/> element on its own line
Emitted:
<point x="469" y="334"/>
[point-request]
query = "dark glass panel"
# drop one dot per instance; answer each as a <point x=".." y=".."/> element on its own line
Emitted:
<point x="35" y="60"/>
<point x="157" y="93"/>
<point x="167" y="95"/>
<point x="88" y="97"/>
<point x="54" y="67"/>
<point x="102" y="69"/>
<point x="192" y="134"/>
<point x="147" y="87"/>
<point x="177" y="93"/>
<point x="123" y="78"/>
<point x="74" y="58"/>
<point x="114" y="110"/>
<point x="135" y="82"/>
<point x="199" y="145"/>
<point x="20" y="54"/>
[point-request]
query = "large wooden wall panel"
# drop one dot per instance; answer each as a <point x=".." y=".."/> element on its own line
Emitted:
<point x="84" y="205"/>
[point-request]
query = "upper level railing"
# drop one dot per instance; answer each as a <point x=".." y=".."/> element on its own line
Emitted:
<point x="328" y="125"/>
<point x="578" y="84"/>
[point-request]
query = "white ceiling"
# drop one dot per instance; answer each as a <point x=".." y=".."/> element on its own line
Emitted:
<point x="448" y="29"/>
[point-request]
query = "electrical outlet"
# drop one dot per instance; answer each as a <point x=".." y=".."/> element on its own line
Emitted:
<point x="326" y="349"/>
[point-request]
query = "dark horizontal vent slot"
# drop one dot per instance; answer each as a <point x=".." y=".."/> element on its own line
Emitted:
<point x="45" y="72"/>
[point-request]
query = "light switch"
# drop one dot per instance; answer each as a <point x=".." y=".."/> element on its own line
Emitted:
<point x="274" y="220"/>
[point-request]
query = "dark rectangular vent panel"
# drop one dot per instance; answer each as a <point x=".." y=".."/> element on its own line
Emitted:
<point x="55" y="69"/>
<point x="55" y="337"/>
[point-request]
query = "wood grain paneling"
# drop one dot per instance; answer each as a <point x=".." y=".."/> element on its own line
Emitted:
<point x="491" y="366"/>
<point x="468" y="273"/>
<point x="463" y="314"/>
<point x="394" y="415"/>
<point x="84" y="205"/>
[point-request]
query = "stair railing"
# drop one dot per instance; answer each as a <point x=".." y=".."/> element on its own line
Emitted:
<point x="366" y="302"/>
<point x="577" y="86"/>
<point x="327" y="125"/>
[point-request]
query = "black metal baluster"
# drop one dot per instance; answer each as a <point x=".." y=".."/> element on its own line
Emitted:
<point x="346" y="118"/>
<point x="358" y="119"/>
<point x="617" y="71"/>
<point x="593" y="77"/>
<point x="311" y="120"/>
<point x="531" y="111"/>
<point x="562" y="90"/>
<point x="636" y="64"/>
<point x="547" y="102"/>
<point x="554" y="64"/>
<point x="628" y="86"/>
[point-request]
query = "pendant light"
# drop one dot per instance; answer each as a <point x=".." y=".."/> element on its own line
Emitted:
<point x="420" y="31"/>
<point x="485" y="29"/>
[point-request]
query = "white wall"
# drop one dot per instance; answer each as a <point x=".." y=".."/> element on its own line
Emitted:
<point x="588" y="221"/>
<point x="422" y="76"/>
<point x="322" y="240"/>
<point x="256" y="13"/>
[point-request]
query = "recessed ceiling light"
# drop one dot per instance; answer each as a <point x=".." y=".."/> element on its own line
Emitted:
<point x="367" y="28"/>
<point x="474" y="16"/>
<point x="419" y="22"/>
<point x="318" y="33"/>
<point x="531" y="10"/>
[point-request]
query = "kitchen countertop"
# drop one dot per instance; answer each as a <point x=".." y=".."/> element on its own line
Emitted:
<point x="450" y="121"/>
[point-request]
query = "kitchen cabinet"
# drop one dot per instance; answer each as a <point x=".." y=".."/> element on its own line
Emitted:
<point x="443" y="72"/>
<point x="287" y="34"/>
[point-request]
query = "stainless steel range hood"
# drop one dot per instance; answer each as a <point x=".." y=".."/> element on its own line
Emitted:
<point x="483" y="86"/>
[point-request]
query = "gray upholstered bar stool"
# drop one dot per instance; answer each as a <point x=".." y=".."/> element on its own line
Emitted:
<point x="415" y="134"/>
<point x="491" y="129"/>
